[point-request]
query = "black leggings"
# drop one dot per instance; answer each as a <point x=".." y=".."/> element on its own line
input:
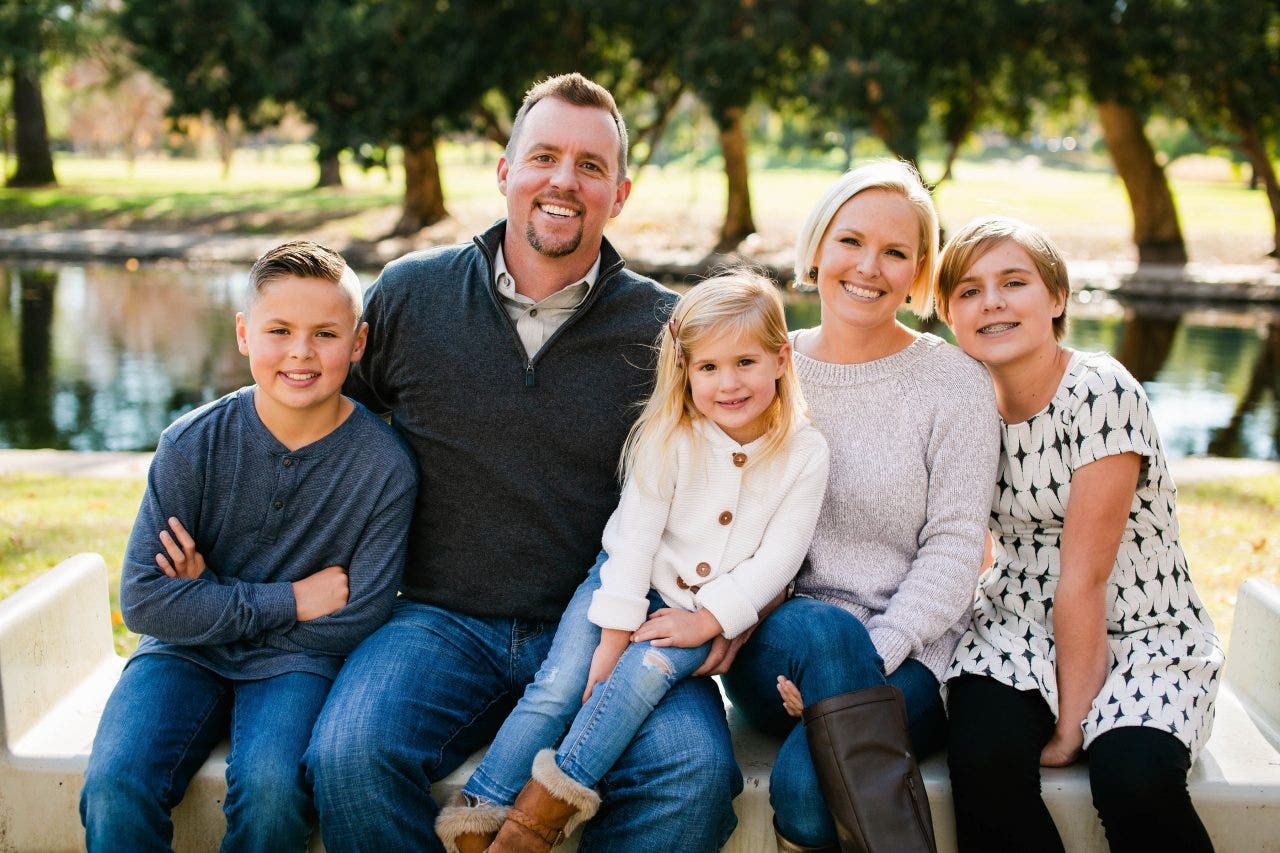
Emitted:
<point x="1138" y="777"/>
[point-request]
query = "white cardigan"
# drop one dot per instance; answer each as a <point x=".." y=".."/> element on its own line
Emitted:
<point x="724" y="536"/>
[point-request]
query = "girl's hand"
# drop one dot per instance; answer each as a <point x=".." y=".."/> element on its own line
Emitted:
<point x="613" y="642"/>
<point x="790" y="694"/>
<point x="1063" y="748"/>
<point x="671" y="626"/>
<point x="181" y="559"/>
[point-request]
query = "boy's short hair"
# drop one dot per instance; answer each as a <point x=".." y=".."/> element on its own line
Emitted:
<point x="303" y="259"/>
<point x="982" y="235"/>
<point x="580" y="92"/>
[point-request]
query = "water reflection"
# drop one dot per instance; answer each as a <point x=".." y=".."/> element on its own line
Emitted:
<point x="103" y="358"/>
<point x="109" y="357"/>
<point x="1262" y="395"/>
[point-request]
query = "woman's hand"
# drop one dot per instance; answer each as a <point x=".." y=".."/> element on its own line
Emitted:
<point x="671" y="626"/>
<point x="791" y="699"/>
<point x="181" y="559"/>
<point x="613" y="642"/>
<point x="1063" y="748"/>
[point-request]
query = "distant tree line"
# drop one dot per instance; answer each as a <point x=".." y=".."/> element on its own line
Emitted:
<point x="371" y="74"/>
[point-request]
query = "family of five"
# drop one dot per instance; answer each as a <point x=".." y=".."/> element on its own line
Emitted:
<point x="518" y="495"/>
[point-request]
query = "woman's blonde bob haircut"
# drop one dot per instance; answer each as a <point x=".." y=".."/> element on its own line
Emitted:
<point x="737" y="302"/>
<point x="894" y="176"/>
<point x="980" y="236"/>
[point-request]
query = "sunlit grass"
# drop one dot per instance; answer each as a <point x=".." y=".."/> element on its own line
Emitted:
<point x="270" y="191"/>
<point x="46" y="518"/>
<point x="1230" y="530"/>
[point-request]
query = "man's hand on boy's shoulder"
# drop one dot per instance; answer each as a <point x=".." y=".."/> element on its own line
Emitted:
<point x="180" y="558"/>
<point x="321" y="594"/>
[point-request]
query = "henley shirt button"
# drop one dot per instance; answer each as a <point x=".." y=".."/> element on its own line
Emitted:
<point x="277" y="504"/>
<point x="739" y="459"/>
<point x="726" y="517"/>
<point x="680" y="582"/>
<point x="287" y="462"/>
<point x="703" y="569"/>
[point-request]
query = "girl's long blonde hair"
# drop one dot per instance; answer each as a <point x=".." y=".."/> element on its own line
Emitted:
<point x="736" y="302"/>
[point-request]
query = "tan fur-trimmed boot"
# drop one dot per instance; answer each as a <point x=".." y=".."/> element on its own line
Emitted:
<point x="466" y="828"/>
<point x="549" y="808"/>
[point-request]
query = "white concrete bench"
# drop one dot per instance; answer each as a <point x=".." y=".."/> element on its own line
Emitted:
<point x="57" y="666"/>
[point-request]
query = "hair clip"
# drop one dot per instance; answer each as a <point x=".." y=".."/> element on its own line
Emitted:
<point x="673" y="326"/>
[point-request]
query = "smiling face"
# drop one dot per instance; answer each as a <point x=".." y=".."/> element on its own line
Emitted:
<point x="733" y="381"/>
<point x="562" y="183"/>
<point x="867" y="261"/>
<point x="301" y="337"/>
<point x="1000" y="311"/>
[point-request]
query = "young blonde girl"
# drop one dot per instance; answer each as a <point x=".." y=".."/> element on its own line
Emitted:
<point x="723" y="477"/>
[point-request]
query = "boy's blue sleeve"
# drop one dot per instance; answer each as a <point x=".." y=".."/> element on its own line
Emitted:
<point x="373" y="576"/>
<point x="201" y="611"/>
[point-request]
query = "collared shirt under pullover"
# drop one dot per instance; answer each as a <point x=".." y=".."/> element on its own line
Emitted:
<point x="518" y="452"/>
<point x="264" y="516"/>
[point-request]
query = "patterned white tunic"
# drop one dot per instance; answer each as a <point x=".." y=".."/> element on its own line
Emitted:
<point x="1164" y="655"/>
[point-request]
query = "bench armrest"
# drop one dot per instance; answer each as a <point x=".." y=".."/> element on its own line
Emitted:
<point x="1253" y="666"/>
<point x="54" y="633"/>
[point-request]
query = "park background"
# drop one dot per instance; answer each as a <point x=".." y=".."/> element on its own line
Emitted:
<point x="152" y="149"/>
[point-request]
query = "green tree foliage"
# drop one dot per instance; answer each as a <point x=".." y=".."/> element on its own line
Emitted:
<point x="1119" y="53"/>
<point x="30" y="30"/>
<point x="1227" y="80"/>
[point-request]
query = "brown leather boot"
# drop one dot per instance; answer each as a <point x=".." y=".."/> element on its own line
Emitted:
<point x="549" y="808"/>
<point x="868" y="773"/>
<point x="466" y="828"/>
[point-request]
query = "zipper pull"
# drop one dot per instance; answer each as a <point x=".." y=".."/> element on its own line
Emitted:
<point x="528" y="375"/>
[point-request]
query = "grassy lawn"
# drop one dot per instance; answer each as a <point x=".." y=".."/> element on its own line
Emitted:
<point x="1230" y="530"/>
<point x="675" y="207"/>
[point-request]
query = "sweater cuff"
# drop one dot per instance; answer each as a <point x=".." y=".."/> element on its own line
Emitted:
<point x="731" y="608"/>
<point x="275" y="605"/>
<point x="623" y="612"/>
<point x="893" y="647"/>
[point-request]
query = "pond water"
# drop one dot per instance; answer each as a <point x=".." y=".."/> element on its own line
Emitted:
<point x="100" y="357"/>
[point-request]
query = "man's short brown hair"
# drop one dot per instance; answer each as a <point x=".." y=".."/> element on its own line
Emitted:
<point x="577" y="90"/>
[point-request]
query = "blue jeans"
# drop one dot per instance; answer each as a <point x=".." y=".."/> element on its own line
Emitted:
<point x="826" y="651"/>
<point x="164" y="718"/>
<point x="600" y="730"/>
<point x="432" y="686"/>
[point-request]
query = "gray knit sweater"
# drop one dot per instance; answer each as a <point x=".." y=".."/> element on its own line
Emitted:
<point x="914" y="440"/>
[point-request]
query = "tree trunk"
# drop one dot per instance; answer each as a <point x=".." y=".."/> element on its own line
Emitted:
<point x="31" y="132"/>
<point x="330" y="170"/>
<point x="1156" y="231"/>
<point x="228" y="136"/>
<point x="423" y="192"/>
<point x="1251" y="145"/>
<point x="738" y="222"/>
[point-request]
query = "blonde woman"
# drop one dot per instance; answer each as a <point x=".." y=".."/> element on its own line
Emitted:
<point x="723" y="477"/>
<point x="888" y="585"/>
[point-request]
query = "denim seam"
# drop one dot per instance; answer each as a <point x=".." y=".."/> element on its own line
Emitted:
<point x="444" y="743"/>
<point x="186" y="748"/>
